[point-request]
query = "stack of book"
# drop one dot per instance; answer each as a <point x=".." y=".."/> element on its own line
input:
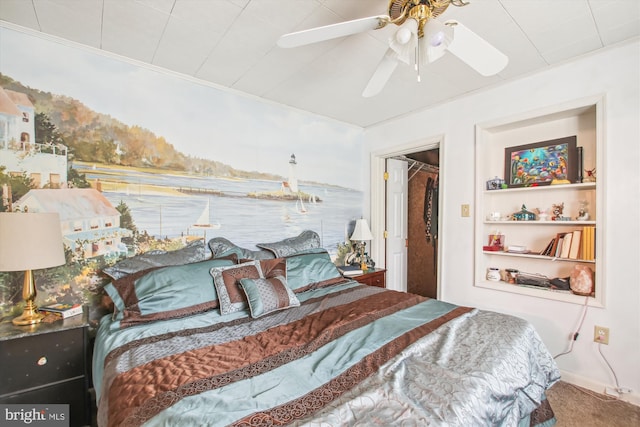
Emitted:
<point x="62" y="310"/>
<point x="565" y="245"/>
<point x="350" y="270"/>
<point x="576" y="244"/>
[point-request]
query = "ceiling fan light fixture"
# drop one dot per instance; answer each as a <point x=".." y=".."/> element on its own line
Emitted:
<point x="404" y="40"/>
<point x="403" y="35"/>
<point x="437" y="37"/>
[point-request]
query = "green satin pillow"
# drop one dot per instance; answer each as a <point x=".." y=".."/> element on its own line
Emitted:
<point x="165" y="293"/>
<point x="311" y="269"/>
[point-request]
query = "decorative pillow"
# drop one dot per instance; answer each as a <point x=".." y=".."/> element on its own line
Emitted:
<point x="227" y="281"/>
<point x="165" y="292"/>
<point x="123" y="289"/>
<point x="306" y="240"/>
<point x="312" y="269"/>
<point x="268" y="295"/>
<point x="221" y="247"/>
<point x="193" y="252"/>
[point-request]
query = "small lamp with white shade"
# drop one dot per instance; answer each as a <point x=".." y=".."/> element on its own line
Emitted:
<point x="361" y="234"/>
<point x="30" y="241"/>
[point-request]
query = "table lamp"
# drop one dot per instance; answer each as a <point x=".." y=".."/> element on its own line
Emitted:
<point x="361" y="234"/>
<point x="30" y="241"/>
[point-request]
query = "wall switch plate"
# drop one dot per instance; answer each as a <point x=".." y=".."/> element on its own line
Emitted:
<point x="465" y="210"/>
<point x="601" y="334"/>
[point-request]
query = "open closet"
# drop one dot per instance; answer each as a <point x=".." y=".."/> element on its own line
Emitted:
<point x="422" y="225"/>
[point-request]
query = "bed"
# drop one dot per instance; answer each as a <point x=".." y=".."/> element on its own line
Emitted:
<point x="277" y="336"/>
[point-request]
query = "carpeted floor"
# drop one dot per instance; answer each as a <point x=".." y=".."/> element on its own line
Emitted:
<point x="577" y="407"/>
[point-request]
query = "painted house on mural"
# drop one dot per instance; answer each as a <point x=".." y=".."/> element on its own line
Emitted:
<point x="90" y="224"/>
<point x="45" y="164"/>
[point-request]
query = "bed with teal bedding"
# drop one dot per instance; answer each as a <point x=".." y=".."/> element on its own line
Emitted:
<point x="286" y="340"/>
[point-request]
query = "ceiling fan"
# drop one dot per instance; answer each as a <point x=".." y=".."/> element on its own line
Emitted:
<point x="420" y="37"/>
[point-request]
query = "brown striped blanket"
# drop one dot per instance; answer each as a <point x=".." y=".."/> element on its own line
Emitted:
<point x="354" y="355"/>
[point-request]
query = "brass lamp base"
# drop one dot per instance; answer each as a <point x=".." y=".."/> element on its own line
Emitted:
<point x="29" y="316"/>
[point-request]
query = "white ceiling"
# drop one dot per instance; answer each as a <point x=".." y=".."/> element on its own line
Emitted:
<point x="232" y="43"/>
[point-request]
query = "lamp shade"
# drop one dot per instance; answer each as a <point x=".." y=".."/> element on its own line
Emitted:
<point x="30" y="241"/>
<point x="362" y="231"/>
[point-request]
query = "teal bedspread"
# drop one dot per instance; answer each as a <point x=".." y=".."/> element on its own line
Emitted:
<point x="349" y="355"/>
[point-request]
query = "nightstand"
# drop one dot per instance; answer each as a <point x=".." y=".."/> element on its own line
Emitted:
<point x="374" y="277"/>
<point x="46" y="363"/>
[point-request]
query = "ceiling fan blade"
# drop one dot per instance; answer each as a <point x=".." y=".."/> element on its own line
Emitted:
<point x="328" y="32"/>
<point x="475" y="51"/>
<point x="382" y="74"/>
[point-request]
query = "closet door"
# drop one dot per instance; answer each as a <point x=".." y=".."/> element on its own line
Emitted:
<point x="396" y="224"/>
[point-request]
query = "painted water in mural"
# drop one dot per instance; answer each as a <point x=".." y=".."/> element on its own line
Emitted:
<point x="168" y="206"/>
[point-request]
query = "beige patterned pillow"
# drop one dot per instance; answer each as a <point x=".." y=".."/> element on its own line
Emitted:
<point x="268" y="295"/>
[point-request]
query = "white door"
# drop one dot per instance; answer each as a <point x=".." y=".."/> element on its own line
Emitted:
<point x="396" y="224"/>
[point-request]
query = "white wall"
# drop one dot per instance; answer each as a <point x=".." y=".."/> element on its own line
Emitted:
<point x="614" y="72"/>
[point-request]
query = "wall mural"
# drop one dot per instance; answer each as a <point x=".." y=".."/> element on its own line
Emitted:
<point x="134" y="159"/>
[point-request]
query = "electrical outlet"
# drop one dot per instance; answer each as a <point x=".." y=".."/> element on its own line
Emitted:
<point x="601" y="334"/>
<point x="464" y="210"/>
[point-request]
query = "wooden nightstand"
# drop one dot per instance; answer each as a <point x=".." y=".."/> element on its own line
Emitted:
<point x="375" y="277"/>
<point x="47" y="364"/>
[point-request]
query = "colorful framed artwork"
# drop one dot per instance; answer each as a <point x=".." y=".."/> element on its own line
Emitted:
<point x="541" y="163"/>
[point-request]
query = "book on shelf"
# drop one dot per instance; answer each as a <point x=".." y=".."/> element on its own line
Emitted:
<point x="62" y="310"/>
<point x="350" y="270"/>
<point x="588" y="243"/>
<point x="576" y="244"/>
<point x="557" y="246"/>
<point x="547" y="250"/>
<point x="566" y="245"/>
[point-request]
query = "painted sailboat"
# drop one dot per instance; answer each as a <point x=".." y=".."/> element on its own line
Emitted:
<point x="204" y="220"/>
<point x="300" y="208"/>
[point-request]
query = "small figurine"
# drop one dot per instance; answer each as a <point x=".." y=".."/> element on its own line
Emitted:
<point x="543" y="215"/>
<point x="557" y="212"/>
<point x="495" y="183"/>
<point x="583" y="215"/>
<point x="591" y="175"/>
<point x="523" y="215"/>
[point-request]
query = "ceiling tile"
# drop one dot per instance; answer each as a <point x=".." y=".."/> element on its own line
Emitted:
<point x="19" y="12"/>
<point x="616" y="20"/>
<point x="283" y="15"/>
<point x="568" y="28"/>
<point x="247" y="40"/>
<point x="71" y="20"/>
<point x="193" y="30"/>
<point x="132" y="29"/>
<point x="164" y="6"/>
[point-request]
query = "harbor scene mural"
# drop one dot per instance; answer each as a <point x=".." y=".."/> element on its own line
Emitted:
<point x="134" y="159"/>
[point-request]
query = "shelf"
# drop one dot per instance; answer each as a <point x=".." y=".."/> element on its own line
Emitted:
<point x="536" y="256"/>
<point x="580" y="186"/>
<point x="538" y="222"/>
<point x="584" y="119"/>
<point x="536" y="291"/>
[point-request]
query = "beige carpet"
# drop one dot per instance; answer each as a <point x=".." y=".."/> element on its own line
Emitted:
<point x="577" y="407"/>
